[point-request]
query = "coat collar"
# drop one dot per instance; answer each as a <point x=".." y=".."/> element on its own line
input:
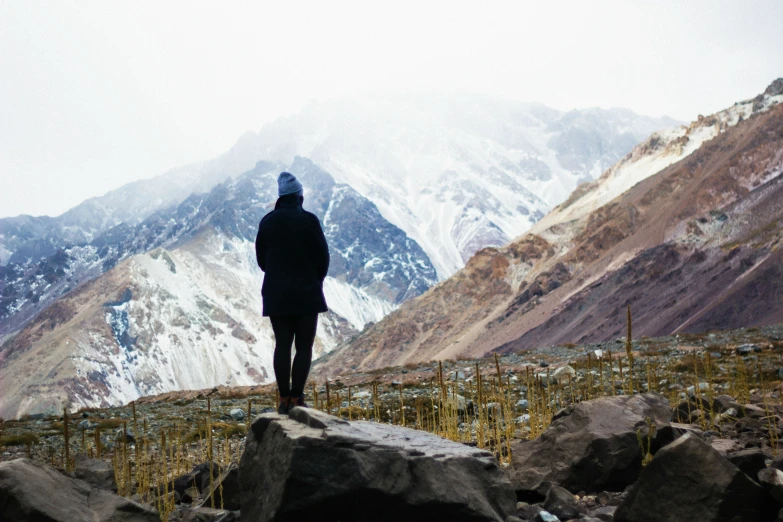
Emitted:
<point x="288" y="202"/>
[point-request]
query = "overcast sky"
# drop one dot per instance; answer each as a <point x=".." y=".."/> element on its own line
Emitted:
<point x="96" y="94"/>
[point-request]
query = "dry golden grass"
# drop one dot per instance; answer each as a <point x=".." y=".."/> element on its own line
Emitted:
<point x="107" y="424"/>
<point x="21" y="439"/>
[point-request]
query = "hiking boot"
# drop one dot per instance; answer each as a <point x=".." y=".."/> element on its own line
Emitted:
<point x="298" y="401"/>
<point x="284" y="406"/>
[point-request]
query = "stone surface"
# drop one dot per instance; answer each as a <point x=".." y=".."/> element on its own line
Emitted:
<point x="225" y="490"/>
<point x="561" y="503"/>
<point x="603" y="513"/>
<point x="749" y="461"/>
<point x="206" y="472"/>
<point x="312" y="466"/>
<point x="689" y="480"/>
<point x="204" y="514"/>
<point x="592" y="446"/>
<point x="545" y="516"/>
<point x="96" y="472"/>
<point x="198" y="477"/>
<point x="33" y="491"/>
<point x="777" y="462"/>
<point x="668" y="433"/>
<point x="527" y="511"/>
<point x="724" y="403"/>
<point x="747" y="349"/>
<point x="725" y="446"/>
<point x="772" y="480"/>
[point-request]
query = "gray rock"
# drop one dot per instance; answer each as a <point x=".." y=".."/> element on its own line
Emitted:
<point x="225" y="491"/>
<point x="703" y="387"/>
<point x="592" y="446"/>
<point x="190" y="494"/>
<point x="723" y="403"/>
<point x="725" y="446"/>
<point x="753" y="411"/>
<point x="237" y="414"/>
<point x="749" y="461"/>
<point x="527" y="511"/>
<point x="772" y="480"/>
<point x="312" y="466"/>
<point x="777" y="462"/>
<point x="675" y="430"/>
<point x="747" y="349"/>
<point x="561" y="503"/>
<point x="33" y="491"/>
<point x="86" y="425"/>
<point x="96" y="472"/>
<point x="204" y="514"/>
<point x="199" y="478"/>
<point x="689" y="480"/>
<point x="206" y="474"/>
<point x="603" y="513"/>
<point x="545" y="516"/>
<point x="562" y="373"/>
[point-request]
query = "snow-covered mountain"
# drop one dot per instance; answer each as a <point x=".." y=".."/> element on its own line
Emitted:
<point x="176" y="300"/>
<point x="406" y="189"/>
<point x="457" y="174"/>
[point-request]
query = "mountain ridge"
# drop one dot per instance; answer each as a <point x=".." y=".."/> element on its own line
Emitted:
<point x="505" y="294"/>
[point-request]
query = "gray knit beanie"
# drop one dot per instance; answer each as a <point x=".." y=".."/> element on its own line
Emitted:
<point x="288" y="184"/>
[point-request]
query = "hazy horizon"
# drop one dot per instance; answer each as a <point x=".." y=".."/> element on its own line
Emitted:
<point x="95" y="95"/>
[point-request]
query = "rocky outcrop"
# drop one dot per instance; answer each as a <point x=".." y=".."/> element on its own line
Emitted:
<point x="312" y="466"/>
<point x="689" y="480"/>
<point x="593" y="446"/>
<point x="30" y="490"/>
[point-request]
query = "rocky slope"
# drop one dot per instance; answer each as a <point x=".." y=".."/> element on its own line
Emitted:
<point x="180" y="304"/>
<point x="686" y="229"/>
<point x="602" y="454"/>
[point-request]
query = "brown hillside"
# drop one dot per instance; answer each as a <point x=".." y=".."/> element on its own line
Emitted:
<point x="693" y="247"/>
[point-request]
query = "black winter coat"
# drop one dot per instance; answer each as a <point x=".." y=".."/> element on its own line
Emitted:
<point x="291" y="249"/>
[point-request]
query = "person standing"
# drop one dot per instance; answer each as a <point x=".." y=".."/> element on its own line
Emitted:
<point x="291" y="250"/>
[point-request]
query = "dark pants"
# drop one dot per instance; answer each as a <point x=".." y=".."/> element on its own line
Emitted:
<point x="298" y="330"/>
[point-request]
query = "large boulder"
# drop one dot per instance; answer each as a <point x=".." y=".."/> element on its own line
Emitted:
<point x="689" y="480"/>
<point x="312" y="466"/>
<point x="95" y="471"/>
<point x="592" y="446"/>
<point x="33" y="491"/>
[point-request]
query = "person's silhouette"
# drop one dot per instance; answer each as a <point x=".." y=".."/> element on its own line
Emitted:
<point x="291" y="250"/>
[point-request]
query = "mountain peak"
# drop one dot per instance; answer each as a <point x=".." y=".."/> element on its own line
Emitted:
<point x="775" y="88"/>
